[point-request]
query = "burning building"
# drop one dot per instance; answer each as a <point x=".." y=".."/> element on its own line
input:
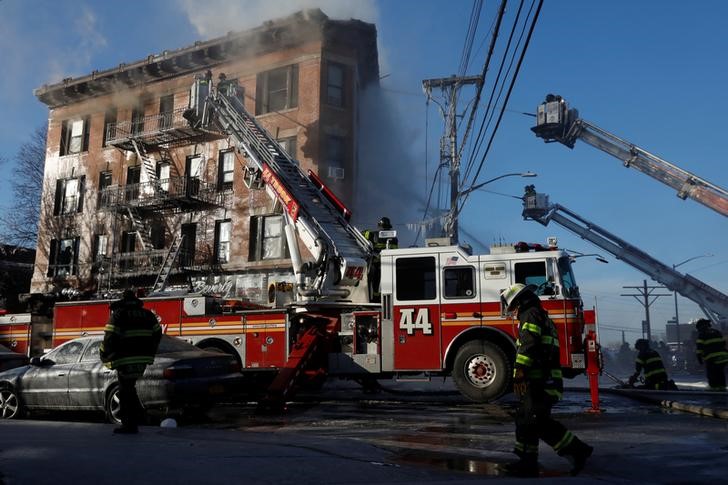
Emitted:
<point x="134" y="196"/>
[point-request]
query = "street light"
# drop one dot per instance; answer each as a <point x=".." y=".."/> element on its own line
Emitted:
<point x="677" y="318"/>
<point x="451" y="228"/>
<point x="516" y="174"/>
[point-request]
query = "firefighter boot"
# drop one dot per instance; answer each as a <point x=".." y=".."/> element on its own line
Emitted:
<point x="577" y="453"/>
<point x="526" y="467"/>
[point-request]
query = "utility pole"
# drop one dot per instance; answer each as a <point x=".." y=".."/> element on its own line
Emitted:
<point x="646" y="298"/>
<point x="449" y="141"/>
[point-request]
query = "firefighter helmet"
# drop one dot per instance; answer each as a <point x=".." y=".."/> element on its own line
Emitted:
<point x="702" y="323"/>
<point x="511" y="295"/>
<point x="384" y="223"/>
<point x="641" y="344"/>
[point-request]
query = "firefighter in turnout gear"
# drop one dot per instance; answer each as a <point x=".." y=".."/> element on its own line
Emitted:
<point x="130" y="342"/>
<point x="710" y="349"/>
<point x="537" y="381"/>
<point x="649" y="362"/>
<point x="381" y="238"/>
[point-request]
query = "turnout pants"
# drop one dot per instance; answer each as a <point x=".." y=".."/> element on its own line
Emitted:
<point x="534" y="422"/>
<point x="716" y="376"/>
<point x="131" y="410"/>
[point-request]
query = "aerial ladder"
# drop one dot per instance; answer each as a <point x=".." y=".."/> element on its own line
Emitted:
<point x="340" y="252"/>
<point x="556" y="122"/>
<point x="714" y="304"/>
<point x="313" y="215"/>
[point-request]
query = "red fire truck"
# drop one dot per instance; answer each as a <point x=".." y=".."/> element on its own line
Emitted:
<point x="439" y="310"/>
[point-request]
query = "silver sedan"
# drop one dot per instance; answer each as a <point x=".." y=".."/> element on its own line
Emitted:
<point x="72" y="377"/>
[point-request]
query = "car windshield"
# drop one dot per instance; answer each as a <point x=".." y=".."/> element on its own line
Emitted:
<point x="173" y="344"/>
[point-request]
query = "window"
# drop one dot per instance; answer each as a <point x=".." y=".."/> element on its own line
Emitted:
<point x="193" y="170"/>
<point x="92" y="352"/>
<point x="63" y="257"/>
<point x="133" y="176"/>
<point x="531" y="273"/>
<point x="109" y="126"/>
<point x="335" y="84"/>
<point x="69" y="196"/>
<point x="104" y="183"/>
<point x="66" y="354"/>
<point x="163" y="171"/>
<point x="459" y="282"/>
<point x="567" y="278"/>
<point x="225" y="169"/>
<point x="137" y="120"/>
<point x="166" y="108"/>
<point x="100" y="247"/>
<point x="276" y="90"/>
<point x="416" y="279"/>
<point x="222" y="241"/>
<point x="289" y="145"/>
<point x="74" y="136"/>
<point x="335" y="156"/>
<point x="267" y="240"/>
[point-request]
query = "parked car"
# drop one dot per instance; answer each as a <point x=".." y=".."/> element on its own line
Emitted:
<point x="72" y="377"/>
<point x="10" y="359"/>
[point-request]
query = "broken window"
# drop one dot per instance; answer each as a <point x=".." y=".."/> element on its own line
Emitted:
<point x="222" y="240"/>
<point x="133" y="177"/>
<point x="69" y="196"/>
<point x="225" y="170"/>
<point x="276" y="90"/>
<point x="335" y="84"/>
<point x="74" y="136"/>
<point x="267" y="238"/>
<point x="63" y="257"/>
<point x="137" y="120"/>
<point x="109" y="126"/>
<point x="166" y="108"/>
<point x="104" y="197"/>
<point x="335" y="156"/>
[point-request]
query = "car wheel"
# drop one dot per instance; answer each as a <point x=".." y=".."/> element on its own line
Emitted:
<point x="10" y="405"/>
<point x="111" y="407"/>
<point x="481" y="371"/>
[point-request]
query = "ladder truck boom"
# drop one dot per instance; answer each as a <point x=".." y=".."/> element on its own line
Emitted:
<point x="340" y="251"/>
<point x="555" y="122"/>
<point x="536" y="207"/>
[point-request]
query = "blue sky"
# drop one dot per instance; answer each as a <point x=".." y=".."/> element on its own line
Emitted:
<point x="652" y="72"/>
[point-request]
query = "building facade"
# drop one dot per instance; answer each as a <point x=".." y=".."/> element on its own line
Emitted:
<point x="133" y="196"/>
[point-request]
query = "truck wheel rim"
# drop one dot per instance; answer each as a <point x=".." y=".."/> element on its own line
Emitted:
<point x="8" y="404"/>
<point x="480" y="371"/>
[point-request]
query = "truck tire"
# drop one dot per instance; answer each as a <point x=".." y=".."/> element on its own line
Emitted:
<point x="481" y="371"/>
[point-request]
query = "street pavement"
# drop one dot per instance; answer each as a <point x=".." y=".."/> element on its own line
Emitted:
<point x="400" y="438"/>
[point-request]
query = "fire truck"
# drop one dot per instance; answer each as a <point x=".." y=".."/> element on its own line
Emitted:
<point x="438" y="313"/>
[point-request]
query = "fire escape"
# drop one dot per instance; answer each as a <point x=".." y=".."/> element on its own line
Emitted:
<point x="160" y="192"/>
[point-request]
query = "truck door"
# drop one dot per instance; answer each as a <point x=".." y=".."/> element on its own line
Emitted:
<point x="416" y="314"/>
<point x="461" y="306"/>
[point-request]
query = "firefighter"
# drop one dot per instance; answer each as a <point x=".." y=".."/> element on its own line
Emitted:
<point x="649" y="362"/>
<point x="710" y="349"/>
<point x="537" y="382"/>
<point x="130" y="342"/>
<point x="378" y="243"/>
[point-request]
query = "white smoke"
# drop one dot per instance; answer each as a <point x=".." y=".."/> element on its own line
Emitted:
<point x="214" y="18"/>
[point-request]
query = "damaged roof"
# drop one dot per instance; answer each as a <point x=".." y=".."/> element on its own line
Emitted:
<point x="271" y="36"/>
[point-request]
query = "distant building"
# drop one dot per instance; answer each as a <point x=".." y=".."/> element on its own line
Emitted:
<point x="127" y="181"/>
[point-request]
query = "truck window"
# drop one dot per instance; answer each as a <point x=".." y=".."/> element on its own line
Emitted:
<point x="416" y="278"/>
<point x="531" y="273"/>
<point x="459" y="282"/>
<point x="567" y="278"/>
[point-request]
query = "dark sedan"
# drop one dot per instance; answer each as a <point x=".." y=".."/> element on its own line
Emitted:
<point x="10" y="359"/>
<point x="71" y="377"/>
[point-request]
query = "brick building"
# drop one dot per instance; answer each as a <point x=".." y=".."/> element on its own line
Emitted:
<point x="128" y="184"/>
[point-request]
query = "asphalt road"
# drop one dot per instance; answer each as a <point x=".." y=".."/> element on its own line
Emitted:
<point x="416" y="433"/>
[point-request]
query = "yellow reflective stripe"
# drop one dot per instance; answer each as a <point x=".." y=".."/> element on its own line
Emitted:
<point x="640" y="361"/>
<point x="654" y="372"/>
<point x="654" y="359"/>
<point x="530" y="327"/>
<point x="711" y="340"/>
<point x="524" y="360"/>
<point x="111" y="328"/>
<point x="553" y="392"/>
<point x="717" y="355"/>
<point x="564" y="442"/>
<point x="138" y="333"/>
<point x="548" y="340"/>
<point x="556" y="373"/>
<point x="518" y="342"/>
<point x="133" y="360"/>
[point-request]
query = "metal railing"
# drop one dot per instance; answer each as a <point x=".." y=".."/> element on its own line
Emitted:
<point x="172" y="191"/>
<point x="148" y="126"/>
<point x="150" y="262"/>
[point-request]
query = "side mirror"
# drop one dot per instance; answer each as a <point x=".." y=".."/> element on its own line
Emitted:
<point x="40" y="362"/>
